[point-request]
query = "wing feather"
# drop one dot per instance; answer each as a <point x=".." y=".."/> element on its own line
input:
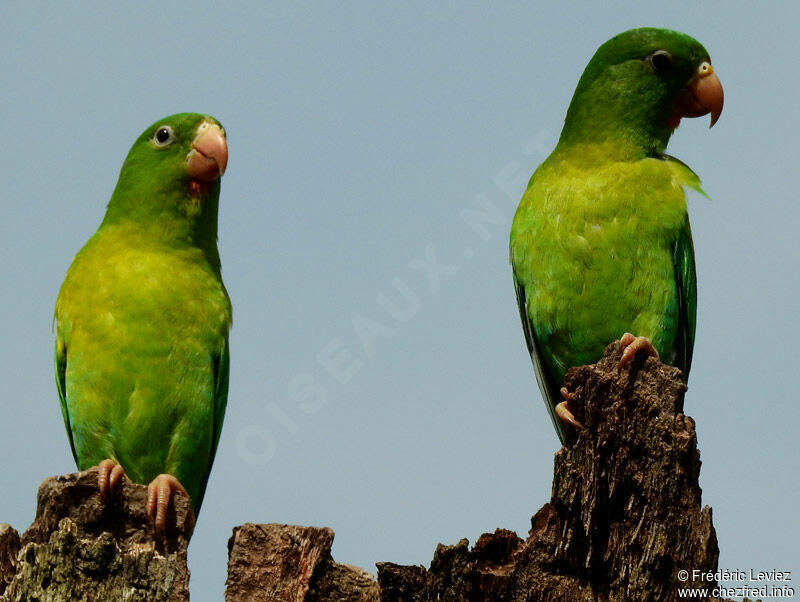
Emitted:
<point x="547" y="384"/>
<point x="686" y="280"/>
<point x="221" y="364"/>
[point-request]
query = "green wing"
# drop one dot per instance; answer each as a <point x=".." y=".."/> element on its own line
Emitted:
<point x="686" y="280"/>
<point x="61" y="383"/>
<point x="222" y="364"/>
<point x="548" y="384"/>
<point x="686" y="283"/>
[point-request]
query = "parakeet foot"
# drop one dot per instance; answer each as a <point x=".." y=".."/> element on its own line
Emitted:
<point x="632" y="345"/>
<point x="159" y="493"/>
<point x="563" y="411"/>
<point x="110" y="474"/>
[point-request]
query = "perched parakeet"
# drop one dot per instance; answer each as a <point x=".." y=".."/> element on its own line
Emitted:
<point x="142" y="320"/>
<point x="600" y="242"/>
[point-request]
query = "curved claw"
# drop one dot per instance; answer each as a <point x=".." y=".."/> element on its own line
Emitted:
<point x="632" y="345"/>
<point x="110" y="473"/>
<point x="564" y="413"/>
<point x="159" y="493"/>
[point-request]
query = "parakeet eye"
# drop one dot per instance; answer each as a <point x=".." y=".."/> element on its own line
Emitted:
<point x="705" y="68"/>
<point x="660" y="61"/>
<point x="163" y="136"/>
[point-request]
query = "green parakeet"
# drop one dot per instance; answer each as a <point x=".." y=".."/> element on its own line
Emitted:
<point x="600" y="242"/>
<point x="142" y="320"/>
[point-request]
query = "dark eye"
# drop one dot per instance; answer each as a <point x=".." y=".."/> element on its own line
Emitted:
<point x="163" y="136"/>
<point x="660" y="61"/>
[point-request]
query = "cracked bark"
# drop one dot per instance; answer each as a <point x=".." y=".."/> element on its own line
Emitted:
<point x="625" y="515"/>
<point x="80" y="549"/>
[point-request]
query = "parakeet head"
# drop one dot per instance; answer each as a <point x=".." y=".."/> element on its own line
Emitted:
<point x="170" y="181"/>
<point x="637" y="87"/>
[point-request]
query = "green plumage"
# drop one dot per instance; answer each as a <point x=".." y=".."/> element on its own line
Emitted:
<point x="600" y="243"/>
<point x="142" y="320"/>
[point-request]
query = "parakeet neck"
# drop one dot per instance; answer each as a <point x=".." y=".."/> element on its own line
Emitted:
<point x="636" y="125"/>
<point x="174" y="218"/>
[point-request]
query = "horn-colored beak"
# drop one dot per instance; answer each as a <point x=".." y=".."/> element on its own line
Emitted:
<point x="702" y="95"/>
<point x="209" y="155"/>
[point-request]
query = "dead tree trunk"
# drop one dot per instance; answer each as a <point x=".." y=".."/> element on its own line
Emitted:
<point x="80" y="549"/>
<point x="624" y="519"/>
<point x="625" y="514"/>
<point x="285" y="563"/>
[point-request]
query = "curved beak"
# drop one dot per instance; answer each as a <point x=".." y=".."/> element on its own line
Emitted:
<point x="702" y="95"/>
<point x="209" y="155"/>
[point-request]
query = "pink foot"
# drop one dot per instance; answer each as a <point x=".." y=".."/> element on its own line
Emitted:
<point x="632" y="345"/>
<point x="110" y="474"/>
<point x="159" y="493"/>
<point x="563" y="411"/>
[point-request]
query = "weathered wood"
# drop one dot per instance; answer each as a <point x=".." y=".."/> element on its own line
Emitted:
<point x="625" y="512"/>
<point x="9" y="549"/>
<point x="81" y="549"/>
<point x="624" y="517"/>
<point x="286" y="563"/>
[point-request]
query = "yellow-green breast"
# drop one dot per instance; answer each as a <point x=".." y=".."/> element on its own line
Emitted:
<point x="592" y="244"/>
<point x="142" y="329"/>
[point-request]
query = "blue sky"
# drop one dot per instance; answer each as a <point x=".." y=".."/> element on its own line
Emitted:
<point x="361" y="137"/>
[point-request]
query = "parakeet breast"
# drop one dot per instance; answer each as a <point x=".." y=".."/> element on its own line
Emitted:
<point x="592" y="245"/>
<point x="138" y="323"/>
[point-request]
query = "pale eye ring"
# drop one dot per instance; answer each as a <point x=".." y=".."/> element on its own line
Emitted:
<point x="164" y="135"/>
<point x="704" y="68"/>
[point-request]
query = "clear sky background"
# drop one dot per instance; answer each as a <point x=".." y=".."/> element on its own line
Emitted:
<point x="358" y="134"/>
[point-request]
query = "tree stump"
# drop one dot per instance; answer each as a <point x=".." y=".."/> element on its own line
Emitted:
<point x="624" y="519"/>
<point x="80" y="549"/>
<point x="625" y="513"/>
<point x="285" y="563"/>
